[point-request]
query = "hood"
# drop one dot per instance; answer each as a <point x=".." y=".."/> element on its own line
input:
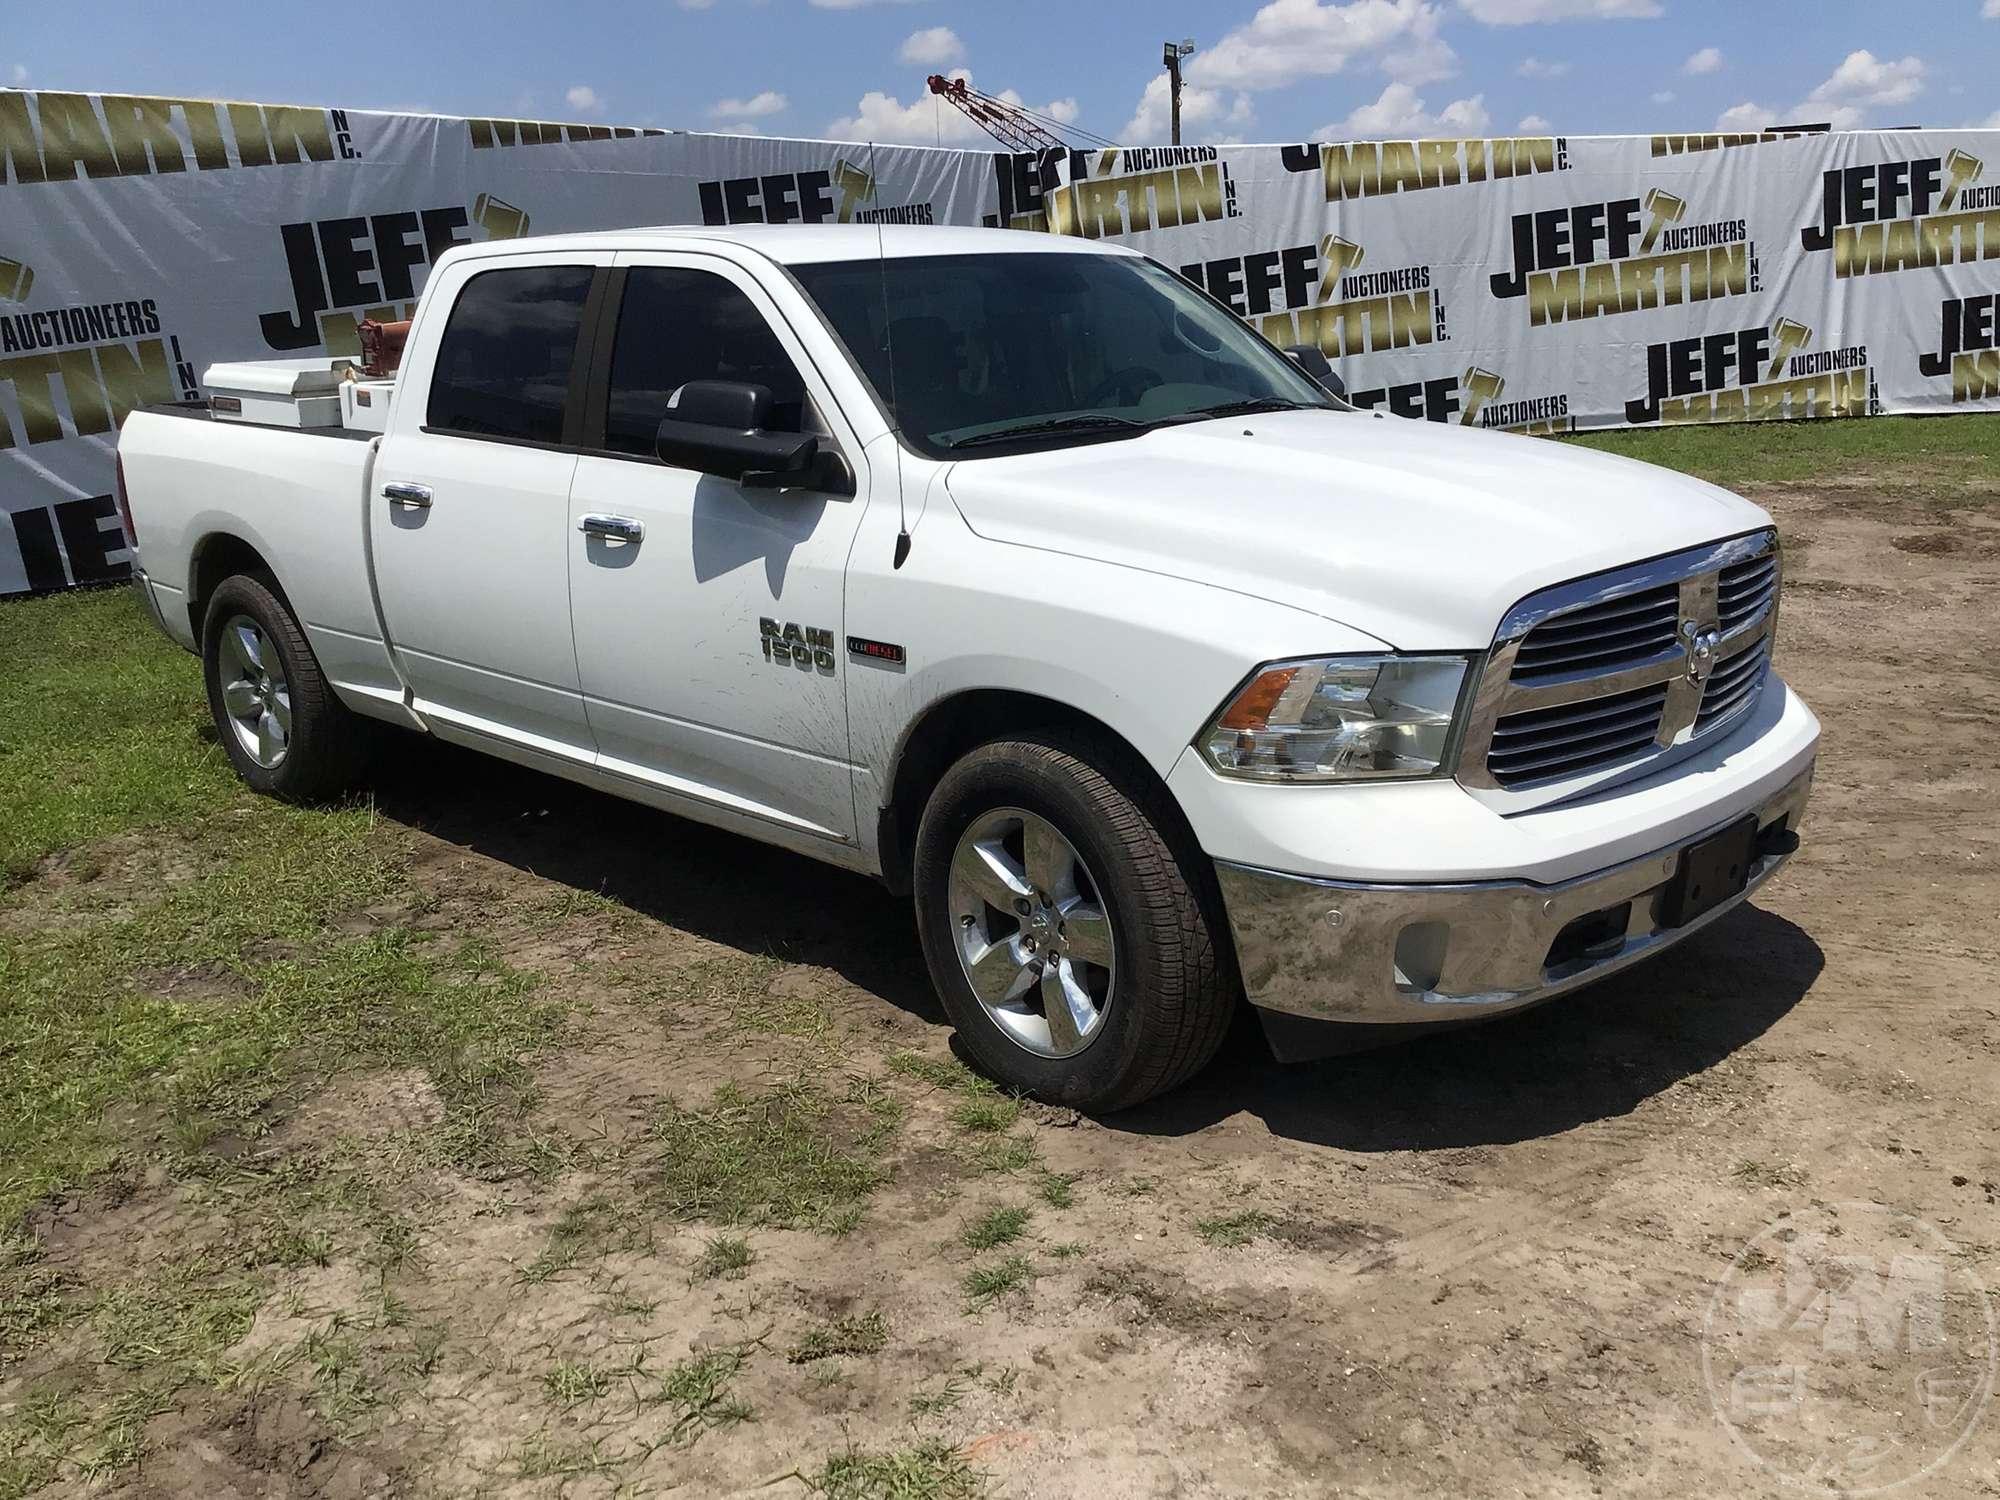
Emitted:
<point x="1418" y="533"/>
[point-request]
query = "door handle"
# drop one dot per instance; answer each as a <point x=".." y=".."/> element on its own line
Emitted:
<point x="416" y="496"/>
<point x="612" y="528"/>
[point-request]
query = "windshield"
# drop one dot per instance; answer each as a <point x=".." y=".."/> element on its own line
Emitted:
<point x="998" y="352"/>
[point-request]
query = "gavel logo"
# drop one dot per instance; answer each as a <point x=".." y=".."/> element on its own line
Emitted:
<point x="1663" y="209"/>
<point x="1962" y="166"/>
<point x="1338" y="256"/>
<point x="1787" y="338"/>
<point x="500" y="219"/>
<point x="15" y="280"/>
<point x="854" y="186"/>
<point x="1481" y="386"/>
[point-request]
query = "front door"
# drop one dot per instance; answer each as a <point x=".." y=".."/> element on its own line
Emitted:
<point x="468" y="508"/>
<point x="708" y="616"/>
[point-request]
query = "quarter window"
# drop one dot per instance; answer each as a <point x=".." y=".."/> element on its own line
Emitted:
<point x="677" y="325"/>
<point x="503" y="366"/>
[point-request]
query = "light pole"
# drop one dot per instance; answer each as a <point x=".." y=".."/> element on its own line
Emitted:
<point x="1175" y="51"/>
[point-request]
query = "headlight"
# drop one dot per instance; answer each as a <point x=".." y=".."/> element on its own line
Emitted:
<point x="1340" y="718"/>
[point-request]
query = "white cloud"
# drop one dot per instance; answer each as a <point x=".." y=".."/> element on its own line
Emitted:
<point x="1526" y="12"/>
<point x="932" y="47"/>
<point x="1400" y="114"/>
<point x="927" y="120"/>
<point x="1287" y="40"/>
<point x="583" y="99"/>
<point x="696" y="4"/>
<point x="1990" y="10"/>
<point x="1708" y="60"/>
<point x="1992" y="121"/>
<point x="1534" y="125"/>
<point x="1862" y="79"/>
<point x="1861" y="82"/>
<point x="1740" y="118"/>
<point x="1535" y="67"/>
<point x="1664" y="96"/>
<point x="769" y="102"/>
<point x="851" y="4"/>
<point x="17" y="75"/>
<point x="1209" y="116"/>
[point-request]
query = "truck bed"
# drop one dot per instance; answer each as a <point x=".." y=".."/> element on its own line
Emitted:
<point x="297" y="496"/>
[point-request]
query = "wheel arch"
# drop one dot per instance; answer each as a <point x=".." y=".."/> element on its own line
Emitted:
<point x="220" y="555"/>
<point x="964" y="720"/>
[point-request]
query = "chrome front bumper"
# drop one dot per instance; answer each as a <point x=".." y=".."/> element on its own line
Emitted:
<point x="1343" y="951"/>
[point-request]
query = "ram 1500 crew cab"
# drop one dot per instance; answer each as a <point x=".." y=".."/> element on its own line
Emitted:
<point x="1020" y="574"/>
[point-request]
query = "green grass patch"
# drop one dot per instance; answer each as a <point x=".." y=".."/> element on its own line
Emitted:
<point x="985" y="1284"/>
<point x="1231" y="1231"/>
<point x="726" y="1255"/>
<point x="697" y="1391"/>
<point x="794" y="1157"/>
<point x="1057" y="1189"/>
<point x="857" y="1333"/>
<point x="928" y="1471"/>
<point x="1952" y="453"/>
<point x="1000" y="1226"/>
<point x="100" y="727"/>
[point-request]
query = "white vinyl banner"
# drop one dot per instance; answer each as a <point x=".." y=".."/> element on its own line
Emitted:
<point x="1536" y="284"/>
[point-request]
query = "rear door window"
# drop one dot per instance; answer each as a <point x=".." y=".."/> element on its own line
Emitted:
<point x="504" y="364"/>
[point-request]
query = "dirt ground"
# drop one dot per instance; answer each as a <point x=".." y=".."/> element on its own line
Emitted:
<point x="1479" y="1264"/>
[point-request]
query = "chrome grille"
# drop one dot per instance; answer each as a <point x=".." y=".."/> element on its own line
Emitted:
<point x="1732" y="686"/>
<point x="1553" y="741"/>
<point x="1598" y="637"/>
<point x="1606" y="673"/>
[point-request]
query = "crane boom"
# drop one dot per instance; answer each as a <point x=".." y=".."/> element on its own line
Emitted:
<point x="1007" y="124"/>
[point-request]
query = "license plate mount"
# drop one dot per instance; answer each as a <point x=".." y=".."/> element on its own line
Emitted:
<point x="1712" y="870"/>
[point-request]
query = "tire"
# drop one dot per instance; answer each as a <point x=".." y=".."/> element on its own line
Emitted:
<point x="288" y="735"/>
<point x="1169" y="989"/>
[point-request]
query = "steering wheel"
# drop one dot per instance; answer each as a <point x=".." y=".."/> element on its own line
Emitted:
<point x="1137" y="377"/>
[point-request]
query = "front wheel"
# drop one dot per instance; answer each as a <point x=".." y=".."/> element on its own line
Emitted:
<point x="284" y="730"/>
<point x="1072" y="950"/>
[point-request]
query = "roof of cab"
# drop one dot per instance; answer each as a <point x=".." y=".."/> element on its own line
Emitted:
<point x="803" y="244"/>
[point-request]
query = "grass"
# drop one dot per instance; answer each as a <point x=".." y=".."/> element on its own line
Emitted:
<point x="1962" y="452"/>
<point x="792" y="1157"/>
<point x="697" y="1391"/>
<point x="1000" y="1226"/>
<point x="985" y="1284"/>
<point x="98" y="728"/>
<point x="726" y="1255"/>
<point x="856" y="1333"/>
<point x="1232" y="1231"/>
<point x="929" y="1471"/>
<point x="572" y="1382"/>
<point x="1057" y="1189"/>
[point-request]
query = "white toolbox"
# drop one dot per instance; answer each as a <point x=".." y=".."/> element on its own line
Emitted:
<point x="364" y="404"/>
<point x="277" y="392"/>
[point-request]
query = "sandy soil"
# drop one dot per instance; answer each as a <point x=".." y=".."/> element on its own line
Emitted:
<point x="1480" y="1264"/>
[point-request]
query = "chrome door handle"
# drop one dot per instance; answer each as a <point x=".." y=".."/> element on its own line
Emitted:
<point x="612" y="528"/>
<point x="416" y="496"/>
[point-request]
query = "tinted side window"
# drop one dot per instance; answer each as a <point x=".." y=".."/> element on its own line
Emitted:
<point x="503" y="365"/>
<point x="675" y="326"/>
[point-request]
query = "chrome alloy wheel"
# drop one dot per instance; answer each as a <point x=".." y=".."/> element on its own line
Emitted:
<point x="1033" y="936"/>
<point x="255" y="693"/>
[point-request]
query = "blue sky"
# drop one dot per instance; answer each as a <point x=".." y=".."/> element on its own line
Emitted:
<point x="1281" y="71"/>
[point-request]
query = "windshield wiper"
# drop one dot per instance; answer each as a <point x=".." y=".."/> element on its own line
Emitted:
<point x="1253" y="404"/>
<point x="1087" y="421"/>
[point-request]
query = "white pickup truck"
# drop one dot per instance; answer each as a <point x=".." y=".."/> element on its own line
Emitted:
<point x="1018" y="573"/>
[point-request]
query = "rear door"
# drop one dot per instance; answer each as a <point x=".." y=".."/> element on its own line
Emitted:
<point x="469" y="503"/>
<point x="710" y="646"/>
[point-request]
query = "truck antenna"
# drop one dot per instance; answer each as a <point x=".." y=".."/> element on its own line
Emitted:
<point x="889" y="346"/>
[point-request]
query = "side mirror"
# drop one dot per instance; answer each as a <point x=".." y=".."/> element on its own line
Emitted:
<point x="719" y="427"/>
<point x="1312" y="359"/>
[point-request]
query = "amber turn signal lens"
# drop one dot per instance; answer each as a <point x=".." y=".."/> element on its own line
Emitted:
<point x="1252" y="708"/>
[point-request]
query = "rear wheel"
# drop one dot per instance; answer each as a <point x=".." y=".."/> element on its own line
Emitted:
<point x="279" y="721"/>
<point x="1072" y="950"/>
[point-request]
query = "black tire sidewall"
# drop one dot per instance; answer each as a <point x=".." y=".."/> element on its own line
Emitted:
<point x="996" y="776"/>
<point x="244" y="595"/>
